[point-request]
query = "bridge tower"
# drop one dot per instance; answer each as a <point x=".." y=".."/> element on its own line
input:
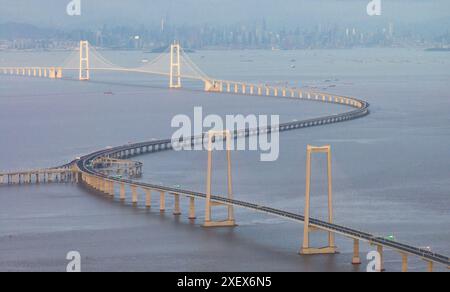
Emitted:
<point x="229" y="222"/>
<point x="331" y="248"/>
<point x="175" y="66"/>
<point x="84" y="61"/>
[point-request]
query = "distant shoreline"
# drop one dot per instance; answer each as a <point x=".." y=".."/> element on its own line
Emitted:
<point x="437" y="50"/>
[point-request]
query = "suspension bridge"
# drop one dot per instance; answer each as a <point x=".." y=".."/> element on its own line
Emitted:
<point x="102" y="170"/>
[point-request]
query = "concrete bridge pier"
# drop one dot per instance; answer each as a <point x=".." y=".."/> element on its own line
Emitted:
<point x="356" y="257"/>
<point x="176" y="209"/>
<point x="111" y="189"/>
<point x="162" y="201"/>
<point x="148" y="198"/>
<point x="192" y="208"/>
<point x="381" y="268"/>
<point x="122" y="192"/>
<point x="134" y="195"/>
<point x="404" y="263"/>
<point x="104" y="185"/>
<point x="52" y="74"/>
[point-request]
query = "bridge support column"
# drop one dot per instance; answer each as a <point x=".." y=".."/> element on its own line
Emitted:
<point x="380" y="251"/>
<point x="331" y="248"/>
<point x="122" y="192"/>
<point x="176" y="209"/>
<point x="52" y="74"/>
<point x="98" y="184"/>
<point x="134" y="195"/>
<point x="111" y="189"/>
<point x="162" y="201"/>
<point x="59" y="73"/>
<point x="404" y="263"/>
<point x="192" y="208"/>
<point x="104" y="186"/>
<point x="148" y="198"/>
<point x="430" y="267"/>
<point x="230" y="222"/>
<point x="356" y="258"/>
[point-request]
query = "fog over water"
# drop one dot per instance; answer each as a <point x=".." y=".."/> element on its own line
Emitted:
<point x="391" y="169"/>
<point x="291" y="13"/>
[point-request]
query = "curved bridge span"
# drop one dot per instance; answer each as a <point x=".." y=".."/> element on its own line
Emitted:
<point x="106" y="184"/>
<point x="84" y="170"/>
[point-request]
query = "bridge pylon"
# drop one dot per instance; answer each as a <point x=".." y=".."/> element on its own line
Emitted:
<point x="230" y="221"/>
<point x="84" y="61"/>
<point x="175" y="66"/>
<point x="331" y="248"/>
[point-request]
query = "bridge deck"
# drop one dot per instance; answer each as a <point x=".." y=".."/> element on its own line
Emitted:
<point x="322" y="225"/>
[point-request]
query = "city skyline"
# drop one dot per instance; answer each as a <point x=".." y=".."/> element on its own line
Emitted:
<point x="204" y="24"/>
<point x="305" y="13"/>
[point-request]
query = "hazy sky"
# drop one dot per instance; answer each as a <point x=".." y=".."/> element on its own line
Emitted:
<point x="277" y="12"/>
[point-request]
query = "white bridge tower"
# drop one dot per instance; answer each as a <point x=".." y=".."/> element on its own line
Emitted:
<point x="84" y="60"/>
<point x="175" y="66"/>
